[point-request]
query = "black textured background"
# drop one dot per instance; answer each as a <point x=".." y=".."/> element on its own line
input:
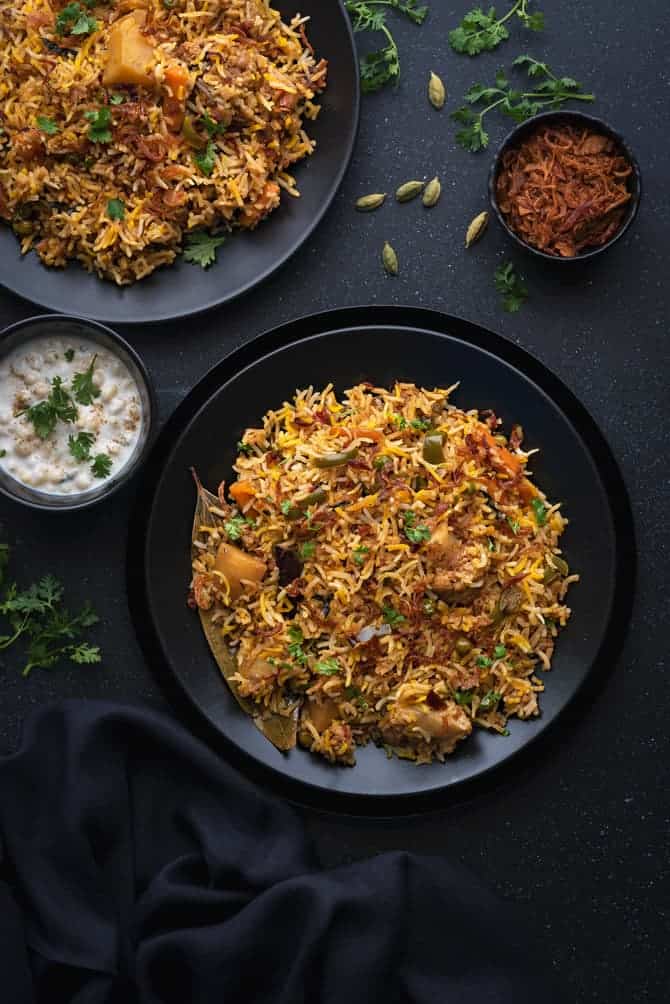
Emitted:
<point x="579" y="837"/>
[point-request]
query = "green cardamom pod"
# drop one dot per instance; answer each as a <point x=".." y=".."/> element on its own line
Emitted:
<point x="437" y="94"/>
<point x="409" y="190"/>
<point x="390" y="259"/>
<point x="476" y="229"/>
<point x="369" y="202"/>
<point x="431" y="193"/>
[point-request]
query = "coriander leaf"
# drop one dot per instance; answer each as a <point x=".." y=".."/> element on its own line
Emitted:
<point x="359" y="553"/>
<point x="61" y="401"/>
<point x="464" y="696"/>
<point x="392" y="617"/>
<point x="117" y="99"/>
<point x="482" y="31"/>
<point x="489" y="700"/>
<point x="420" y="424"/>
<point x="382" y="66"/>
<point x="244" y="448"/>
<point x="213" y="128"/>
<point x="540" y="511"/>
<point x="329" y="667"/>
<point x="85" y="654"/>
<point x="415" y="534"/>
<point x="67" y="17"/>
<point x="512" y="288"/>
<point x="101" y="466"/>
<point x="500" y="652"/>
<point x="69" y="355"/>
<point x="515" y="526"/>
<point x="306" y="550"/>
<point x="84" y="25"/>
<point x="82" y="384"/>
<point x="295" y="649"/>
<point x="205" y="160"/>
<point x="234" y="526"/>
<point x="46" y="125"/>
<point x="380" y="462"/>
<point x="483" y="662"/>
<point x="100" y="121"/>
<point x="43" y="417"/>
<point x="286" y="507"/>
<point x="80" y="445"/>
<point x="201" y="248"/>
<point x="116" y="209"/>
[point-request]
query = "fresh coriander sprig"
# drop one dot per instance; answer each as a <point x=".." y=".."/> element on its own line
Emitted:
<point x="45" y="414"/>
<point x="83" y="387"/>
<point x="514" y="293"/>
<point x="80" y="445"/>
<point x="549" y="92"/>
<point x="73" y="20"/>
<point x="382" y="66"/>
<point x="201" y="247"/>
<point x="99" y="125"/>
<point x="482" y="31"/>
<point x="415" y="534"/>
<point x="101" y="466"/>
<point x="37" y="614"/>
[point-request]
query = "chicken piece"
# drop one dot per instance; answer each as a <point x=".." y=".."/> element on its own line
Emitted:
<point x="238" y="567"/>
<point x="320" y="713"/>
<point x="456" y="565"/>
<point x="130" y="55"/>
<point x="442" y="726"/>
<point x="257" y="677"/>
<point x="29" y="146"/>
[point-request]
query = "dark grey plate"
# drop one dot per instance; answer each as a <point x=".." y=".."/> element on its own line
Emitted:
<point x="381" y="344"/>
<point x="182" y="289"/>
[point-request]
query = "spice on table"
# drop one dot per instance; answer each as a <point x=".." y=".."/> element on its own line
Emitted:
<point x="437" y="94"/>
<point x="431" y="194"/>
<point x="369" y="202"/>
<point x="390" y="259"/>
<point x="564" y="189"/>
<point x="476" y="229"/>
<point x="409" y="190"/>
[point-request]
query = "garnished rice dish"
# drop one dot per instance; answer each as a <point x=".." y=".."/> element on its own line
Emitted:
<point x="135" y="129"/>
<point x="382" y="569"/>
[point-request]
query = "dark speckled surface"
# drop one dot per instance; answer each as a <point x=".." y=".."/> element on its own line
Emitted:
<point x="579" y="837"/>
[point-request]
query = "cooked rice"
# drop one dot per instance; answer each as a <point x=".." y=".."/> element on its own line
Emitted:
<point x="247" y="70"/>
<point x="469" y="587"/>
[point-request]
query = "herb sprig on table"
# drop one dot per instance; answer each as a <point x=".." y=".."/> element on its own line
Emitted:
<point x="549" y="92"/>
<point x="482" y="31"/>
<point x="382" y="66"/>
<point x="200" y="248"/>
<point x="514" y="294"/>
<point x="37" y="615"/>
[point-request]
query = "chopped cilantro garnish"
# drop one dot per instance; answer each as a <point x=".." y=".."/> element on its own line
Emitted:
<point x="45" y="414"/>
<point x="73" y="20"/>
<point x="392" y="616"/>
<point x="84" y="388"/>
<point x="483" y="661"/>
<point x="500" y="651"/>
<point x="540" y="511"/>
<point x="295" y="649"/>
<point x="69" y="355"/>
<point x="379" y="462"/>
<point x="415" y="534"/>
<point x="489" y="700"/>
<point x="213" y="128"/>
<point x="206" y="159"/>
<point x="329" y="667"/>
<point x="286" y="507"/>
<point x="244" y="448"/>
<point x="420" y="424"/>
<point x="306" y="550"/>
<point x="463" y="696"/>
<point x="514" y="524"/>
<point x="80" y="445"/>
<point x="46" y="125"/>
<point x="117" y="99"/>
<point x="233" y="527"/>
<point x="116" y="209"/>
<point x="100" y="121"/>
<point x="102" y="465"/>
<point x="359" y="553"/>
<point x="201" y="247"/>
<point x="399" y="421"/>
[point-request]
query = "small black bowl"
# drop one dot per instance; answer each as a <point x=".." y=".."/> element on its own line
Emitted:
<point x="24" y="332"/>
<point x="518" y="135"/>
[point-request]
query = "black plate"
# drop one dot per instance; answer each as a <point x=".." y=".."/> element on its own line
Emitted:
<point x="382" y="344"/>
<point x="181" y="289"/>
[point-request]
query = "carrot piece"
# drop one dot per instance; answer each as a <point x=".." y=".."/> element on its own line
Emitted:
<point x="242" y="492"/>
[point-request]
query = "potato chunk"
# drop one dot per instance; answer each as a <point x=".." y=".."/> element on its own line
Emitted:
<point x="237" y="566"/>
<point x="130" y="56"/>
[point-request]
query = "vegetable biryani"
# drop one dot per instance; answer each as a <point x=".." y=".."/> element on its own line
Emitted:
<point x="128" y="125"/>
<point x="382" y="568"/>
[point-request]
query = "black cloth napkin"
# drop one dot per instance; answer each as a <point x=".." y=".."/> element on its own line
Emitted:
<point x="139" y="868"/>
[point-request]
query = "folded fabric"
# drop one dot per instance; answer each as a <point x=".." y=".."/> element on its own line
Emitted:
<point x="137" y="866"/>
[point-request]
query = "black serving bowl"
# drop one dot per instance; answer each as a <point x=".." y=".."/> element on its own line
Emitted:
<point x="25" y="331"/>
<point x="575" y="118"/>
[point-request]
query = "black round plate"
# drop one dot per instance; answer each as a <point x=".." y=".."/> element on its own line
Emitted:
<point x="382" y="344"/>
<point x="181" y="289"/>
